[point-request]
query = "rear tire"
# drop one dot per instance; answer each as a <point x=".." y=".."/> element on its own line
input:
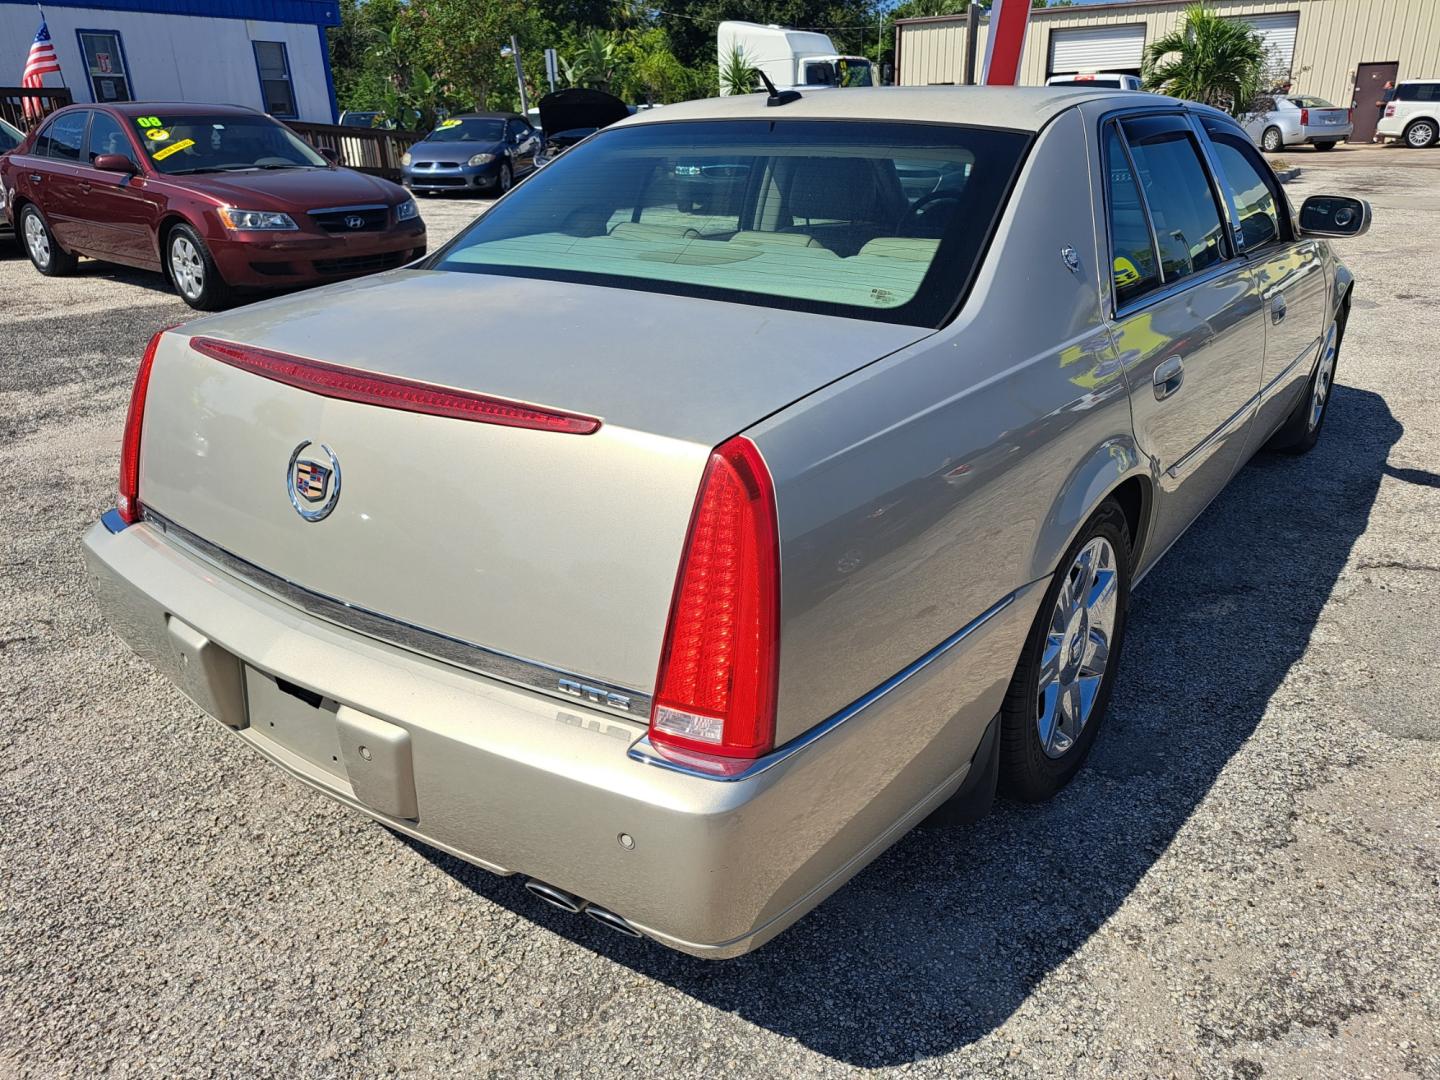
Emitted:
<point x="1420" y="134"/>
<point x="1272" y="142"/>
<point x="193" y="272"/>
<point x="40" y="244"/>
<point x="1061" y="688"/>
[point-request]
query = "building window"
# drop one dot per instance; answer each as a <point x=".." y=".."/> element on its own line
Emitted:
<point x="277" y="94"/>
<point x="105" y="65"/>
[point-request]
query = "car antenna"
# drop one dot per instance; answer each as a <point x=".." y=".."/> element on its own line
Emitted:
<point x="777" y="97"/>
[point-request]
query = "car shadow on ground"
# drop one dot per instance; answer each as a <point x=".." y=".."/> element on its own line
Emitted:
<point x="941" y="939"/>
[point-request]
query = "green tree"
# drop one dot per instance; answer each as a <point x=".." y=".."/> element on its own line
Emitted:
<point x="737" y="74"/>
<point x="593" y="61"/>
<point x="1217" y="61"/>
<point x="459" y="42"/>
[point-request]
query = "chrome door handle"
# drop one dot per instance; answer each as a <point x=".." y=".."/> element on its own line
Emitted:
<point x="1277" y="308"/>
<point x="35" y="178"/>
<point x="1169" y="376"/>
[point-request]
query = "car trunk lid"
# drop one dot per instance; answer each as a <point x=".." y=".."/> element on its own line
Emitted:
<point x="553" y="549"/>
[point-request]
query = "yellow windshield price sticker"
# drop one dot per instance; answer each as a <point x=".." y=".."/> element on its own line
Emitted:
<point x="157" y="134"/>
<point x="148" y="121"/>
<point x="161" y="155"/>
<point x="1125" y="272"/>
<point x="449" y="124"/>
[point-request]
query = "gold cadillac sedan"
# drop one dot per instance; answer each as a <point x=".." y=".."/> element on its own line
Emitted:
<point x="813" y="511"/>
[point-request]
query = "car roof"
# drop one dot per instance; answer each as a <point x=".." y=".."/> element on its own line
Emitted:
<point x="486" y="116"/>
<point x="1027" y="108"/>
<point x="172" y="108"/>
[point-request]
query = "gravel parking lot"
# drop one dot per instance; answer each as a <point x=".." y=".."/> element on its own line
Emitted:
<point x="1244" y="882"/>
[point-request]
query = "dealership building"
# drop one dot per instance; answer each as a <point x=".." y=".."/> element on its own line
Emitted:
<point x="1341" y="50"/>
<point x="267" y="54"/>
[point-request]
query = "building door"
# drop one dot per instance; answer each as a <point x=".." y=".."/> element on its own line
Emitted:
<point x="1369" y="101"/>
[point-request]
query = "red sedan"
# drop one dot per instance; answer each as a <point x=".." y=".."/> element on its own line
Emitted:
<point x="216" y="197"/>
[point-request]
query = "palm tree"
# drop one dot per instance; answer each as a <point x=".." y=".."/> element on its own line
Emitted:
<point x="737" y="76"/>
<point x="1210" y="59"/>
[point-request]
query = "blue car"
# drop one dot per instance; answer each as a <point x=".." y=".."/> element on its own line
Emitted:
<point x="484" y="151"/>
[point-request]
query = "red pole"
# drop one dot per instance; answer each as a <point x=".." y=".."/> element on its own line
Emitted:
<point x="1005" y="44"/>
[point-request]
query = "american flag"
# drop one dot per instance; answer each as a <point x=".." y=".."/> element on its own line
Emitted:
<point x="41" y="62"/>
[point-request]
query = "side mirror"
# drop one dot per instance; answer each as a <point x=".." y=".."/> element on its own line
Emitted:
<point x="1334" y="215"/>
<point x="330" y="154"/>
<point x="114" y="163"/>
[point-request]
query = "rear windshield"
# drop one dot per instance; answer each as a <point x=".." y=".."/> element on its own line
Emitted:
<point x="880" y="221"/>
<point x="1310" y="103"/>
<point x="1102" y="84"/>
<point x="177" y="145"/>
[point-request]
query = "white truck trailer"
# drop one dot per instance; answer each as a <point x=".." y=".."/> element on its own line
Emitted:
<point x="793" y="59"/>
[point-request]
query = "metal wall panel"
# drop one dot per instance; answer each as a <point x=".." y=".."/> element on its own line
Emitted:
<point x="1331" y="38"/>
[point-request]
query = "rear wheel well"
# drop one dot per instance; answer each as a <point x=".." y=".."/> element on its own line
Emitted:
<point x="1133" y="496"/>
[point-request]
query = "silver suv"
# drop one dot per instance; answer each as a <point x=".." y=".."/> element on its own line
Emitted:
<point x="1413" y="115"/>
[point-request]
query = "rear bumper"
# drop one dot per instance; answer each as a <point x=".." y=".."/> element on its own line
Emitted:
<point x="298" y="258"/>
<point x="1392" y="127"/>
<point x="519" y="783"/>
<point x="1325" y="132"/>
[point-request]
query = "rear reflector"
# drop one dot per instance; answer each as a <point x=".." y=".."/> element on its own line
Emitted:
<point x="715" y="691"/>
<point x="390" y="392"/>
<point x="127" y="500"/>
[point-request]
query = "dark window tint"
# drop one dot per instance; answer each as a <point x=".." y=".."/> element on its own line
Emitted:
<point x="1251" y="185"/>
<point x="1418" y="92"/>
<point x="1182" y="204"/>
<point x="9" y="138"/>
<point x="1134" y="267"/>
<point x="63" y="137"/>
<point x="107" y="138"/>
<point x="277" y="96"/>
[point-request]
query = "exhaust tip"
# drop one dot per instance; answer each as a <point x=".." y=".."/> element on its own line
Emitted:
<point x="554" y="897"/>
<point x="613" y="921"/>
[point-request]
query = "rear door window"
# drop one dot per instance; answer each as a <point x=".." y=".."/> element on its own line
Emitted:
<point x="63" y="137"/>
<point x="1418" y="92"/>
<point x="1132" y="250"/>
<point x="1184" y="215"/>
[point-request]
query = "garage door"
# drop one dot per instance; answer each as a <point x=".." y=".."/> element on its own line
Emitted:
<point x="1278" y="32"/>
<point x="1098" y="48"/>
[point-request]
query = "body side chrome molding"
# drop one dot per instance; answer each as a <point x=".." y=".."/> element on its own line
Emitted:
<point x="644" y="751"/>
<point x="530" y="674"/>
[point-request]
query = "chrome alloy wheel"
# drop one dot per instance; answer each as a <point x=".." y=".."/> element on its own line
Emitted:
<point x="1077" y="647"/>
<point x="187" y="268"/>
<point x="1420" y="134"/>
<point x="1324" y="377"/>
<point x="37" y="239"/>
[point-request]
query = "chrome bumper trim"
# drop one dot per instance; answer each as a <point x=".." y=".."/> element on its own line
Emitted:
<point x="729" y="770"/>
<point x="531" y="674"/>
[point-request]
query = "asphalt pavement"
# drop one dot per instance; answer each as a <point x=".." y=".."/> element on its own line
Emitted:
<point x="1244" y="881"/>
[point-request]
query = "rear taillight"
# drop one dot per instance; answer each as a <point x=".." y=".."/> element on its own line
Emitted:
<point x="715" y="691"/>
<point x="1390" y="109"/>
<point x="127" y="501"/>
<point x="1304" y="117"/>
<point x="389" y="391"/>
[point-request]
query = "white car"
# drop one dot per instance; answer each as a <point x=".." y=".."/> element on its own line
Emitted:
<point x="1097" y="80"/>
<point x="1296" y="120"/>
<point x="1413" y="115"/>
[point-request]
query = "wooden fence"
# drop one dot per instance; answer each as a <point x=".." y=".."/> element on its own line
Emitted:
<point x="13" y="100"/>
<point x="368" y="150"/>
